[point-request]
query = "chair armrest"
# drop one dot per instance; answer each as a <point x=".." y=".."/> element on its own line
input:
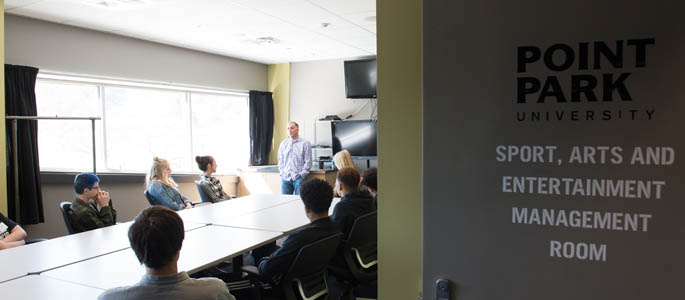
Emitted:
<point x="252" y="270"/>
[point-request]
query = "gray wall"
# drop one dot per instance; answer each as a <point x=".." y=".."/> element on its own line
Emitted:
<point x="55" y="47"/>
<point x="60" y="48"/>
<point x="471" y="70"/>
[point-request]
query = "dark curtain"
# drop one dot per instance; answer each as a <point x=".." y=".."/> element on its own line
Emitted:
<point x="261" y="127"/>
<point x="20" y="100"/>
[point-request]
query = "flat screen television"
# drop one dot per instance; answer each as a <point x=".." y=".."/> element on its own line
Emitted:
<point x="360" y="78"/>
<point x="356" y="136"/>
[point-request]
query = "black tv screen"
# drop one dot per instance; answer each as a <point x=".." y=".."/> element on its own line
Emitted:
<point x="360" y="78"/>
<point x="356" y="136"/>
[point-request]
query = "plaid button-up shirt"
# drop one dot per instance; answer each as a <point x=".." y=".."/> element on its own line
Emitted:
<point x="213" y="189"/>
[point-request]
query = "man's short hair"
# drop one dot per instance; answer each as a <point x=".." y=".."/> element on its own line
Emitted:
<point x="296" y="125"/>
<point x="369" y="178"/>
<point x="317" y="195"/>
<point x="84" y="180"/>
<point x="349" y="177"/>
<point x="156" y="236"/>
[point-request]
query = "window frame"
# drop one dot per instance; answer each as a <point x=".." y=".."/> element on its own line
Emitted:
<point x="101" y="131"/>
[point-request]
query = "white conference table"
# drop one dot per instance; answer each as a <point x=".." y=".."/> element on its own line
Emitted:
<point x="25" y="288"/>
<point x="225" y="210"/>
<point x="103" y="259"/>
<point x="284" y="218"/>
<point x="53" y="253"/>
<point x="202" y="248"/>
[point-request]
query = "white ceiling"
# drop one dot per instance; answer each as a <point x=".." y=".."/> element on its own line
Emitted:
<point x="265" y="31"/>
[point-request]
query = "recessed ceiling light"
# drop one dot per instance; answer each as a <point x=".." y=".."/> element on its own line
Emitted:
<point x="264" y="40"/>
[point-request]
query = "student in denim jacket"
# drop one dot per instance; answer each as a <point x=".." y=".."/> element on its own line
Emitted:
<point x="162" y="188"/>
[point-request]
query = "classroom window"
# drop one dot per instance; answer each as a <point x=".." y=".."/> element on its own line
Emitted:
<point x="66" y="99"/>
<point x="137" y="124"/>
<point x="224" y="136"/>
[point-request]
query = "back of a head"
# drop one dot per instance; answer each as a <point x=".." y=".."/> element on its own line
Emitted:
<point x="343" y="159"/>
<point x="203" y="161"/>
<point x="349" y="177"/>
<point x="84" y="180"/>
<point x="156" y="236"/>
<point x="317" y="195"/>
<point x="369" y="178"/>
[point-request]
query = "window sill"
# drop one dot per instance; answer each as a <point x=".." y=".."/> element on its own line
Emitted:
<point x="110" y="178"/>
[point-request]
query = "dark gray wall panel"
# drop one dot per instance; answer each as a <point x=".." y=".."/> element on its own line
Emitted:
<point x="470" y="107"/>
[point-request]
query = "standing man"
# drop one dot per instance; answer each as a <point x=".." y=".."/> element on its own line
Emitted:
<point x="92" y="207"/>
<point x="294" y="160"/>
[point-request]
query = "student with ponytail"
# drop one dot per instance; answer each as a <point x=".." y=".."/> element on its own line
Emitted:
<point x="210" y="184"/>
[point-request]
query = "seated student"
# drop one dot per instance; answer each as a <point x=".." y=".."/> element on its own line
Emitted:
<point x="156" y="237"/>
<point x="343" y="159"/>
<point x="354" y="202"/>
<point x="85" y="214"/>
<point x="369" y="179"/>
<point x="317" y="196"/>
<point x="11" y="234"/>
<point x="162" y="188"/>
<point x="210" y="184"/>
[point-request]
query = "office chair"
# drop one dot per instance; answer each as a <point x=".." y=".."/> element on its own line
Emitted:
<point x="203" y="196"/>
<point x="306" y="277"/>
<point x="360" y="254"/>
<point x="153" y="202"/>
<point x="149" y="197"/>
<point x="65" y="208"/>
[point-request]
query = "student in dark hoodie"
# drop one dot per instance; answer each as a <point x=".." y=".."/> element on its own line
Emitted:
<point x="369" y="179"/>
<point x="354" y="202"/>
<point x="317" y="196"/>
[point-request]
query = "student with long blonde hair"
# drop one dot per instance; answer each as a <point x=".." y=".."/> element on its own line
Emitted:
<point x="343" y="159"/>
<point x="162" y="188"/>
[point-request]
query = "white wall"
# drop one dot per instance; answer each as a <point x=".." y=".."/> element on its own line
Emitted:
<point x="317" y="89"/>
<point x="55" y="47"/>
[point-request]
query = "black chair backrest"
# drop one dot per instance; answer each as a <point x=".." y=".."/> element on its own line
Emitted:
<point x="65" y="207"/>
<point x="361" y="248"/>
<point x="149" y="197"/>
<point x="203" y="196"/>
<point x="308" y="270"/>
